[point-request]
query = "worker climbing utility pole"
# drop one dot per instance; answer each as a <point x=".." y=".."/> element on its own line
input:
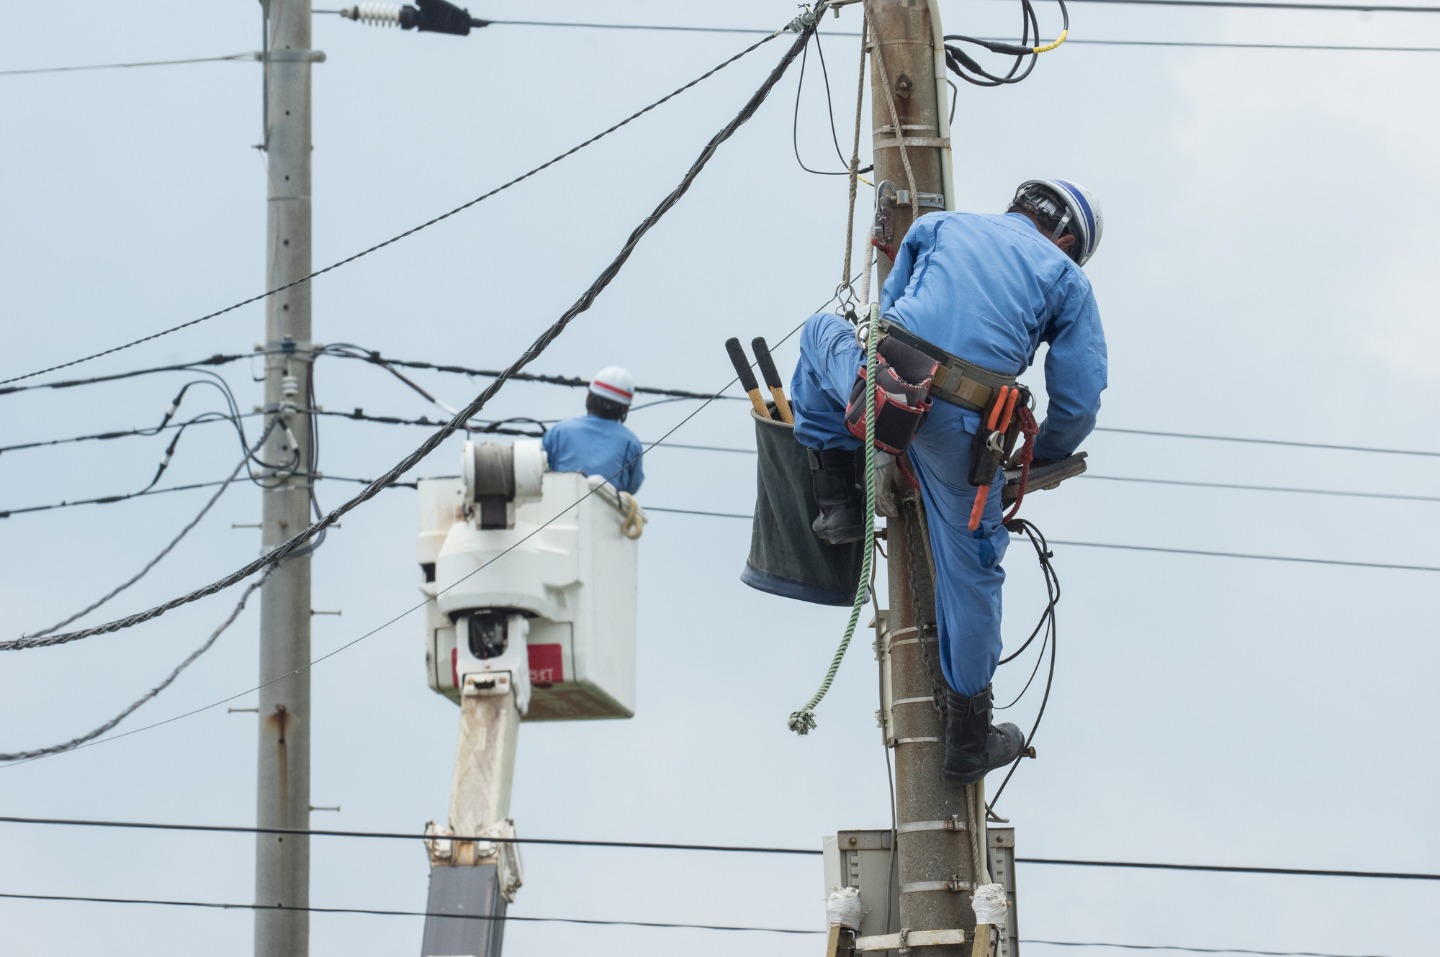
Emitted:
<point x="940" y="836"/>
<point x="282" y="862"/>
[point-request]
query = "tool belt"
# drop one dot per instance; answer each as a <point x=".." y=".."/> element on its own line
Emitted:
<point x="903" y="380"/>
<point x="956" y="381"/>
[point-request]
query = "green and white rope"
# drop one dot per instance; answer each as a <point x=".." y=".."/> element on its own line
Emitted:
<point x="803" y="721"/>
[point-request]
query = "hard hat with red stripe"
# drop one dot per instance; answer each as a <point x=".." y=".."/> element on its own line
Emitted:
<point x="1080" y="216"/>
<point x="613" y="383"/>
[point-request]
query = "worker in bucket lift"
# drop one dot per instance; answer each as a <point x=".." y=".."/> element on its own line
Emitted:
<point x="598" y="443"/>
<point x="974" y="296"/>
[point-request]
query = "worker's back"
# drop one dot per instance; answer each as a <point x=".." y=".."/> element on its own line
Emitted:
<point x="991" y="289"/>
<point x="596" y="446"/>
<point x="987" y="288"/>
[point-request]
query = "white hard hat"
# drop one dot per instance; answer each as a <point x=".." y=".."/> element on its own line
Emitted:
<point x="613" y="383"/>
<point x="1081" y="216"/>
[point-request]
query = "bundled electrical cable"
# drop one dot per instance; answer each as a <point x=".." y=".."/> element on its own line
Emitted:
<point x="1024" y="53"/>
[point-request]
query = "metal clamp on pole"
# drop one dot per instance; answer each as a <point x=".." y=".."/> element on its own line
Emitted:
<point x="908" y="940"/>
<point x="290" y="56"/>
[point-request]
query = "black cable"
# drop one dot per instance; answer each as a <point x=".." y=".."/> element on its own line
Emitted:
<point x="150" y="695"/>
<point x="830" y="112"/>
<point x="708" y="848"/>
<point x="1284" y="442"/>
<point x="205" y="509"/>
<point x="121" y="66"/>
<point x="249" y="457"/>
<point x="1394" y="496"/>
<point x="64" y="898"/>
<point x="1138" y="548"/>
<point x="1047" y="618"/>
<point x="1024" y="55"/>
<point x="409" y="232"/>
<point x="1193" y="950"/>
<point x="1252" y="5"/>
<point x="448" y="915"/>
<point x="574" y="382"/>
<point x="281" y="552"/>
<point x="498" y="427"/>
<point x="112" y="499"/>
<point x="146" y="432"/>
<point x="1202" y="44"/>
<point x="215" y="360"/>
<point x="578" y="382"/>
<point x="1227" y="4"/>
<point x="1254" y="557"/>
<point x="482" y="567"/>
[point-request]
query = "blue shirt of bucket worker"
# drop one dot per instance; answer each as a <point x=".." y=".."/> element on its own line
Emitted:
<point x="599" y="443"/>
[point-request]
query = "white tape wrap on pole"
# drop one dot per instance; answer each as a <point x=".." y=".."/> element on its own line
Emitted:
<point x="990" y="904"/>
<point x="844" y="909"/>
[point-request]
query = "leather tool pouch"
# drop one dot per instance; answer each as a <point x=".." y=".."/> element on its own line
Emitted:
<point x="903" y="377"/>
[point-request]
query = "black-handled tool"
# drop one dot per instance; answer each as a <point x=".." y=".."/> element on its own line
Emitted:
<point x="747" y="375"/>
<point x="772" y="379"/>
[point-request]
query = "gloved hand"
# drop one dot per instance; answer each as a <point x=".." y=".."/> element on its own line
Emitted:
<point x="890" y="485"/>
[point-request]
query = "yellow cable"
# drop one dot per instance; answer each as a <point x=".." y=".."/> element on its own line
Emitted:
<point x="1050" y="46"/>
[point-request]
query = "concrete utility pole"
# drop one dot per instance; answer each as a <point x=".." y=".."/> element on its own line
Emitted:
<point x="938" y="850"/>
<point x="282" y="862"/>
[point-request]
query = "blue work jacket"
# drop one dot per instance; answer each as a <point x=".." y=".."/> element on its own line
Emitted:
<point x="596" y="446"/>
<point x="990" y="290"/>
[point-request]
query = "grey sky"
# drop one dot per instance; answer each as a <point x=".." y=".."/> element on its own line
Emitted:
<point x="1265" y="271"/>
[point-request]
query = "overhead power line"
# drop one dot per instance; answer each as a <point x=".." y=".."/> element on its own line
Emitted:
<point x="377" y="358"/>
<point x="215" y="360"/>
<point x="407" y="233"/>
<point x="169" y="547"/>
<point x="1193" y="950"/>
<point x="591" y="922"/>
<point x="1248" y="555"/>
<point x="112" y="499"/>
<point x="125" y="66"/>
<point x="1257" y="5"/>
<point x="1136" y="548"/>
<point x="1290" y="443"/>
<point x="1077" y="41"/>
<point x="709" y="848"/>
<point x="375" y="912"/>
<point x="551" y="333"/>
<point x="150" y="695"/>
<point x="574" y="382"/>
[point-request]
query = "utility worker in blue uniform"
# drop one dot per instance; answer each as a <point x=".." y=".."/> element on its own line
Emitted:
<point x="598" y="443"/>
<point x="985" y="290"/>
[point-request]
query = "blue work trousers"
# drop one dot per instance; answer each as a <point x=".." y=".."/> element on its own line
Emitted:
<point x="968" y="576"/>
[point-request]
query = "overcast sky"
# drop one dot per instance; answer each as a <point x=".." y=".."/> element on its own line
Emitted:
<point x="1266" y="272"/>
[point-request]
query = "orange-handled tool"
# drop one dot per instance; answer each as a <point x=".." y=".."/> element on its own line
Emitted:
<point x="747" y="376"/>
<point x="1001" y="411"/>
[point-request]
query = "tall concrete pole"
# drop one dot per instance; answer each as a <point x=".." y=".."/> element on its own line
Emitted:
<point x="282" y="863"/>
<point x="935" y="856"/>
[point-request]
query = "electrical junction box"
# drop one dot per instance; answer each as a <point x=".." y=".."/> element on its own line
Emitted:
<point x="538" y="547"/>
<point x="864" y="860"/>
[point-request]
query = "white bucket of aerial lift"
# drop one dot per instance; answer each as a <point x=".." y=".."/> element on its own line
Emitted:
<point x="563" y="566"/>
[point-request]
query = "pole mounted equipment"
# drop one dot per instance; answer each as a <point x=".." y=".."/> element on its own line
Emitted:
<point x="428" y="16"/>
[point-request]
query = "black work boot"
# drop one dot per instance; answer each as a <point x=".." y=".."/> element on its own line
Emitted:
<point x="973" y="746"/>
<point x="832" y="475"/>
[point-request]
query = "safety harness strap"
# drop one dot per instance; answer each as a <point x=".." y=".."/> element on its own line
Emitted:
<point x="955" y="381"/>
